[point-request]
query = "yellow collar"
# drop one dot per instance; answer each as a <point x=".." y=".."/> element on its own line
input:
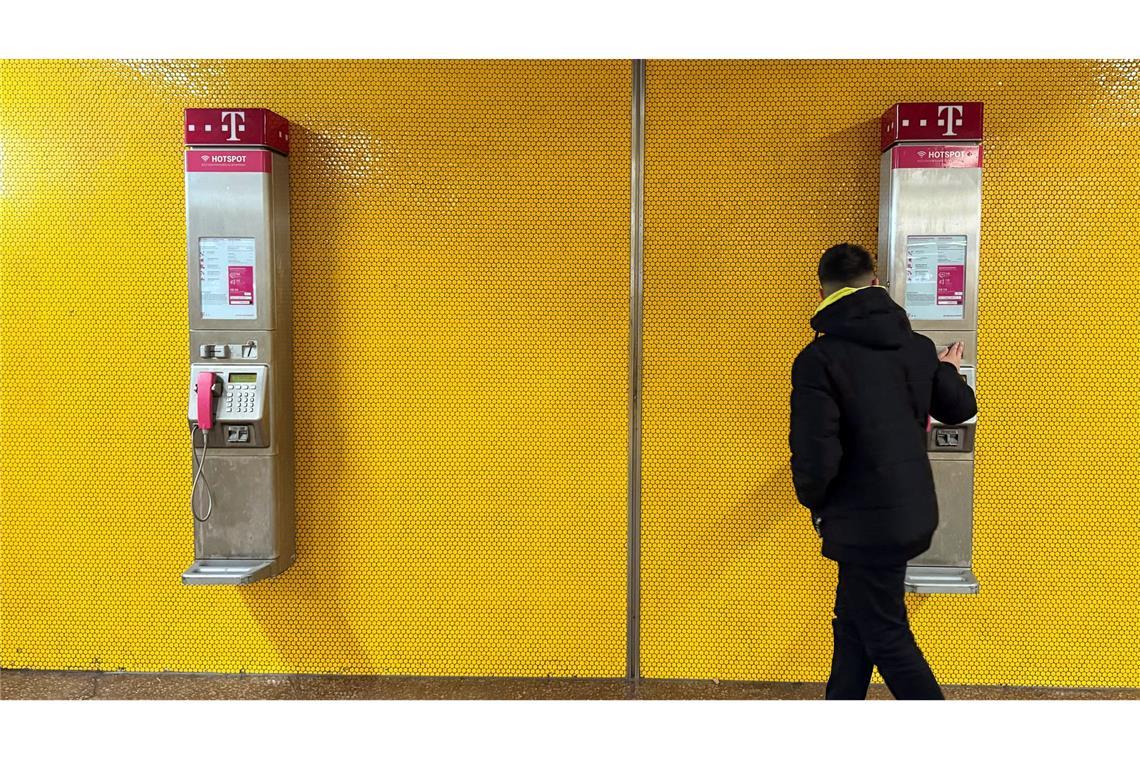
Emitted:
<point x="839" y="294"/>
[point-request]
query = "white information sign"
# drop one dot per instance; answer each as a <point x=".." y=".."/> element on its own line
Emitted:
<point x="227" y="278"/>
<point x="935" y="276"/>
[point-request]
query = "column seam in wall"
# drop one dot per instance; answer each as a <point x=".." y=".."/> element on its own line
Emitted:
<point x="636" y="250"/>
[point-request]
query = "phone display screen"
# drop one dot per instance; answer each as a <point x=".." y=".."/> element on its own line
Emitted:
<point x="243" y="377"/>
<point x="935" y="277"/>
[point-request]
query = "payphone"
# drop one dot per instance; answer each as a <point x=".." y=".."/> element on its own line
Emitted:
<point x="240" y="375"/>
<point x="930" y="207"/>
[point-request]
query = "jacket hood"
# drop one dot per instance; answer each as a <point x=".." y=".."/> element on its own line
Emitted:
<point x="864" y="315"/>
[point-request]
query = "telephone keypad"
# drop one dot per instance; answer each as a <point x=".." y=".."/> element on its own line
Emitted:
<point x="241" y="399"/>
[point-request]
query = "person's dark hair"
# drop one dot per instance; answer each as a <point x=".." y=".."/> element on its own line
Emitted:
<point x="845" y="264"/>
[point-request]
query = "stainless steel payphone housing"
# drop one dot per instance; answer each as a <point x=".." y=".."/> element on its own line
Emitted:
<point x="238" y="269"/>
<point x="930" y="187"/>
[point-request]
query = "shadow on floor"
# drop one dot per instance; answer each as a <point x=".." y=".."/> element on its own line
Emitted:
<point x="37" y="684"/>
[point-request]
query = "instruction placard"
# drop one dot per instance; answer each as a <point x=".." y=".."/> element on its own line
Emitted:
<point x="226" y="267"/>
<point x="935" y="276"/>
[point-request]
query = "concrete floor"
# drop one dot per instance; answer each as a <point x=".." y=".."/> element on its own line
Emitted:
<point x="33" y="684"/>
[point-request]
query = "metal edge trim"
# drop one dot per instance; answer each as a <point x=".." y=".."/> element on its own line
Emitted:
<point x="636" y="287"/>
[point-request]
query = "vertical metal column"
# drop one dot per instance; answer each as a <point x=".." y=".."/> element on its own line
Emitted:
<point x="636" y="229"/>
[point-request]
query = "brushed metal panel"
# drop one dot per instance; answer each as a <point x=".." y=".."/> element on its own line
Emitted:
<point x="953" y="540"/>
<point x="253" y="516"/>
<point x="240" y="525"/>
<point x="937" y="202"/>
<point x="239" y="205"/>
<point x="934" y="202"/>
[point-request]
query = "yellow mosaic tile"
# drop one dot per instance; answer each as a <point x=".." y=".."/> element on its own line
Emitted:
<point x="752" y="170"/>
<point x="460" y="285"/>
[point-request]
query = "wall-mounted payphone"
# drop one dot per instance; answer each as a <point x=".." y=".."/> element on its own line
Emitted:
<point x="930" y="203"/>
<point x="240" y="378"/>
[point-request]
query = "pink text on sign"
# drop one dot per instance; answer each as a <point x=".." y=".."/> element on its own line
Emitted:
<point x="951" y="284"/>
<point x="241" y="286"/>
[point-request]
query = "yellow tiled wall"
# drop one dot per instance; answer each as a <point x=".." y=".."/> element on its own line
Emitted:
<point x="752" y="170"/>
<point x="460" y="252"/>
<point x="460" y="281"/>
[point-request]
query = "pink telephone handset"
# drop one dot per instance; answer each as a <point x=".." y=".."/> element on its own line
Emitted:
<point x="207" y="382"/>
<point x="206" y="400"/>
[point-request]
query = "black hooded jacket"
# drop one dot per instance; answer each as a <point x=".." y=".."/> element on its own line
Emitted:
<point x="862" y="393"/>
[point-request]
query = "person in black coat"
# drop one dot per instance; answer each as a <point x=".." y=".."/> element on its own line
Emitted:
<point x="863" y="393"/>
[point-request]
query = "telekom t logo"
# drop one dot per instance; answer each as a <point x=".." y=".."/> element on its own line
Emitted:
<point x="235" y="126"/>
<point x="951" y="120"/>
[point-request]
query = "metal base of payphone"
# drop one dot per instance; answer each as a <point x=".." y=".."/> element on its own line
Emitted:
<point x="941" y="580"/>
<point x="231" y="572"/>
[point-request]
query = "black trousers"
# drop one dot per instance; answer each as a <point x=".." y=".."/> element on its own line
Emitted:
<point x="871" y="629"/>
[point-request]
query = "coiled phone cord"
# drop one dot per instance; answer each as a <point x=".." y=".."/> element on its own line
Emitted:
<point x="200" y="475"/>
